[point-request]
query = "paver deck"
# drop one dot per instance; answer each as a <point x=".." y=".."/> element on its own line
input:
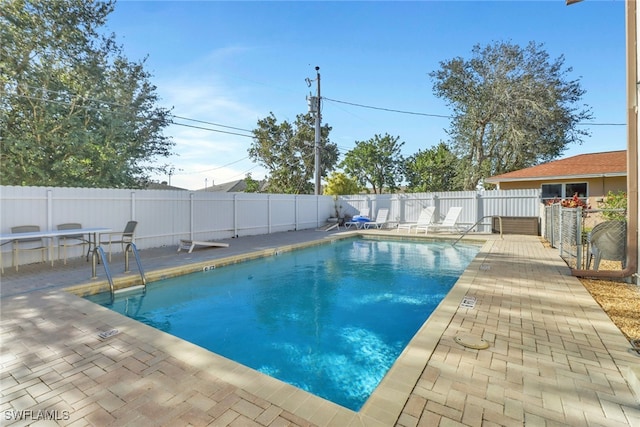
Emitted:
<point x="554" y="357"/>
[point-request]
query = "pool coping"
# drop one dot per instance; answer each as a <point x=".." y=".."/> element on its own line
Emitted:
<point x="383" y="407"/>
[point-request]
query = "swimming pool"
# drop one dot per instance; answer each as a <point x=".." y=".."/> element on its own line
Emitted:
<point x="329" y="319"/>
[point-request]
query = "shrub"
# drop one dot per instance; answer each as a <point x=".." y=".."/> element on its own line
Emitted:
<point x="617" y="202"/>
<point x="574" y="202"/>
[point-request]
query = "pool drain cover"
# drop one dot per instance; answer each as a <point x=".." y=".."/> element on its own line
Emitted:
<point x="108" y="334"/>
<point x="468" y="302"/>
<point x="470" y="341"/>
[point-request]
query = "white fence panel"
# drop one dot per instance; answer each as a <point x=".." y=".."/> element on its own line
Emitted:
<point x="313" y="211"/>
<point x="252" y="214"/>
<point x="412" y="204"/>
<point x="353" y="205"/>
<point x="211" y="217"/>
<point x="27" y="207"/>
<point x="512" y="202"/>
<point x="282" y="212"/>
<point x="165" y="216"/>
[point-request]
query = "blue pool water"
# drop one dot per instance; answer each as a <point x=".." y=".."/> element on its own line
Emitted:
<point x="329" y="319"/>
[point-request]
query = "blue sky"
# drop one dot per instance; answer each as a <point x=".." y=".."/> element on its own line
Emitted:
<point x="232" y="63"/>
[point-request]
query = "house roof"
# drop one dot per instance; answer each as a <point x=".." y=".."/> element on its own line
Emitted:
<point x="162" y="186"/>
<point x="607" y="164"/>
<point x="237" y="186"/>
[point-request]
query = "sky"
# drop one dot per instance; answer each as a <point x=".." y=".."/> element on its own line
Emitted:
<point x="224" y="65"/>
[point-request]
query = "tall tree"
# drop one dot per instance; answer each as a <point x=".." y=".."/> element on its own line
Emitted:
<point x="287" y="151"/>
<point x="513" y="108"/>
<point x="435" y="169"/>
<point x="377" y="163"/>
<point x="74" y="111"/>
<point x="338" y="183"/>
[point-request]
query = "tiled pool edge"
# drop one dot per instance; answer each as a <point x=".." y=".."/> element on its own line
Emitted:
<point x="90" y="288"/>
<point x="281" y="394"/>
<point x="384" y="406"/>
<point x="384" y="403"/>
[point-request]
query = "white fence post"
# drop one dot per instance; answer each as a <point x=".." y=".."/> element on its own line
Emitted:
<point x="478" y="203"/>
<point x="50" y="209"/>
<point x="269" y="213"/>
<point x="235" y="215"/>
<point x="191" y="213"/>
<point x="133" y="206"/>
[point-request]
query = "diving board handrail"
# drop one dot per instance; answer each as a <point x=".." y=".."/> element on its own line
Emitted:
<point x="132" y="246"/>
<point x="478" y="222"/>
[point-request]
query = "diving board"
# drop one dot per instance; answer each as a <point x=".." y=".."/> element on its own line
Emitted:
<point x="191" y="244"/>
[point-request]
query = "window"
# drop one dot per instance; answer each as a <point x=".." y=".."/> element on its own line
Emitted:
<point x="551" y="191"/>
<point x="564" y="191"/>
<point x="580" y="188"/>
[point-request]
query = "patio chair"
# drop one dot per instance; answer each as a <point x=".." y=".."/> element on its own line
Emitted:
<point x="381" y="220"/>
<point x="359" y="219"/>
<point x="28" y="244"/>
<point x="71" y="241"/>
<point x="450" y="221"/>
<point x="122" y="237"/>
<point x="608" y="241"/>
<point x="425" y="218"/>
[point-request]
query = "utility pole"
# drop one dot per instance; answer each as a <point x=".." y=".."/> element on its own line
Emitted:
<point x="314" y="108"/>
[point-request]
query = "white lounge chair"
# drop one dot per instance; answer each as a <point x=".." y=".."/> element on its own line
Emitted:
<point x="381" y="220"/>
<point x="190" y="245"/>
<point x="425" y="218"/>
<point x="450" y="221"/>
<point x="355" y="221"/>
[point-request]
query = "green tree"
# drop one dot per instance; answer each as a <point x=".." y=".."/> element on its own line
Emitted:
<point x="513" y="108"/>
<point x="287" y="151"/>
<point x="73" y="111"/>
<point x="252" y="186"/>
<point x="435" y="169"/>
<point x="377" y="163"/>
<point x="339" y="183"/>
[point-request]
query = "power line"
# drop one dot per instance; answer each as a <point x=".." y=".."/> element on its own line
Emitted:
<point x="213" y="169"/>
<point x="66" y="94"/>
<point x="88" y="107"/>
<point x="211" y="123"/>
<point x="601" y="124"/>
<point x="245" y="172"/>
<point x="113" y="104"/>
<point x="387" y="109"/>
<point x="442" y="116"/>
<point x="210" y="130"/>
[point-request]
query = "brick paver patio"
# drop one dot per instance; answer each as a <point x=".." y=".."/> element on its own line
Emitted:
<point x="554" y="357"/>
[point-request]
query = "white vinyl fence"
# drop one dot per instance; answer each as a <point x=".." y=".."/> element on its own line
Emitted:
<point x="166" y="216"/>
<point x="477" y="206"/>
